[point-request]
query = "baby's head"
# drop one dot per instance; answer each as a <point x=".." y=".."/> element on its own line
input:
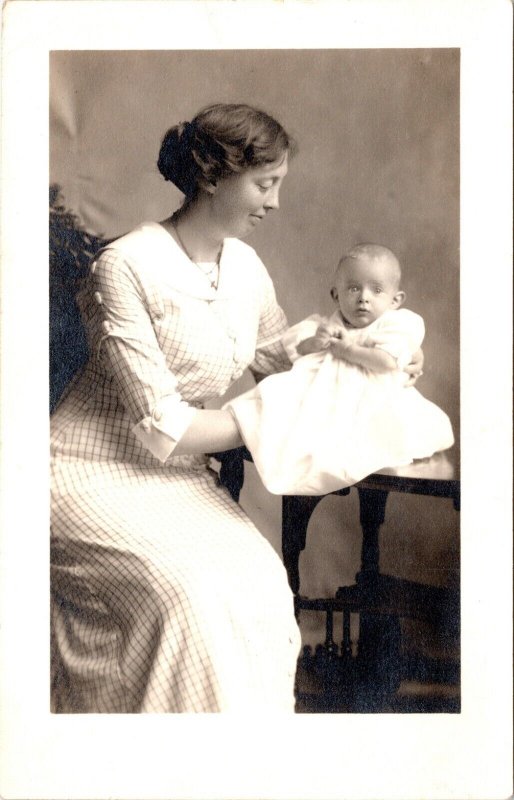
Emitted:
<point x="367" y="283"/>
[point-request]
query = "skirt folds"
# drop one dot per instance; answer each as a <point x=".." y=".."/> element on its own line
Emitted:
<point x="165" y="597"/>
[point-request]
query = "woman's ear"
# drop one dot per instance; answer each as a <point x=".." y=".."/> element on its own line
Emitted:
<point x="398" y="299"/>
<point x="207" y="186"/>
<point x="333" y="294"/>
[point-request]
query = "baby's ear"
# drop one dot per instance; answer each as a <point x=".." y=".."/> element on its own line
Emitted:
<point x="398" y="299"/>
<point x="333" y="294"/>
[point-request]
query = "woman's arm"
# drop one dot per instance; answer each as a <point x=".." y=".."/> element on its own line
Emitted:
<point x="209" y="431"/>
<point x="123" y="336"/>
<point x="270" y="356"/>
<point x="213" y="430"/>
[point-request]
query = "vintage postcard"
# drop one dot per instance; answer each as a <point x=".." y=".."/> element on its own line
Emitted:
<point x="400" y="115"/>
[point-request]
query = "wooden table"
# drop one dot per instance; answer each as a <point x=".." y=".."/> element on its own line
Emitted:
<point x="380" y="600"/>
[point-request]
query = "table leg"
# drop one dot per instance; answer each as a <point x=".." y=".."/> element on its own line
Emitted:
<point x="379" y="651"/>
<point x="296" y="513"/>
<point x="372" y="516"/>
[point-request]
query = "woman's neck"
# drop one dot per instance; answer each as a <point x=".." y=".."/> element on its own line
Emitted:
<point x="192" y="228"/>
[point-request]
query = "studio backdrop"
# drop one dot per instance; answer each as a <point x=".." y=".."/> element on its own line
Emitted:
<point x="378" y="160"/>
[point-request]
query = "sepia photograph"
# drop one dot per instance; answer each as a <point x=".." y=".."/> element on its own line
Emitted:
<point x="342" y="307"/>
<point x="260" y="378"/>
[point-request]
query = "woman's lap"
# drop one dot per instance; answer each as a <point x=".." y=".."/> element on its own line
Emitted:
<point x="170" y="593"/>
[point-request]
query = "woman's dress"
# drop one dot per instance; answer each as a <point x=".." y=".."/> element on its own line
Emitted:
<point x="165" y="597"/>
<point x="326" y="423"/>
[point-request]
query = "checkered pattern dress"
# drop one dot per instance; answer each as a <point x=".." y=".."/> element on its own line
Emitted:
<point x="165" y="597"/>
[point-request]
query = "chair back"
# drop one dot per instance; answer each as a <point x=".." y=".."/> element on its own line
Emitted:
<point x="71" y="249"/>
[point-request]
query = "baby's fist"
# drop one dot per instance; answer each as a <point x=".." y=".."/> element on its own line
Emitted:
<point x="323" y="335"/>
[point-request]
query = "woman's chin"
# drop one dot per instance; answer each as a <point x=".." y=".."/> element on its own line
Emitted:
<point x="247" y="229"/>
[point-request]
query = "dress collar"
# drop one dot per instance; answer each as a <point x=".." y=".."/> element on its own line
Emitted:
<point x="157" y="254"/>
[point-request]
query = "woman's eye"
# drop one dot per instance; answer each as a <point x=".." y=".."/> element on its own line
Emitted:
<point x="263" y="187"/>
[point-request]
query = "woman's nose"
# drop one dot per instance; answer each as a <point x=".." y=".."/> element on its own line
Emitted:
<point x="271" y="201"/>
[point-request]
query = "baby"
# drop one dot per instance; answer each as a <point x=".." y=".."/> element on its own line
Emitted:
<point x="343" y="410"/>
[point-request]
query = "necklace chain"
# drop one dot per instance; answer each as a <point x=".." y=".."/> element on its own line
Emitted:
<point x="214" y="283"/>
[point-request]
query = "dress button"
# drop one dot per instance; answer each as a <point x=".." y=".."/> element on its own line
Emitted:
<point x="106" y="325"/>
<point x="98" y="298"/>
<point x="147" y="425"/>
<point x="157" y="415"/>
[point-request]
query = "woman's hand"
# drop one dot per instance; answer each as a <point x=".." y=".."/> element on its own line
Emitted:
<point x="415" y="369"/>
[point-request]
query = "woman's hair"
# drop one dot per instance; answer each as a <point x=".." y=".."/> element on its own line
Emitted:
<point x="221" y="140"/>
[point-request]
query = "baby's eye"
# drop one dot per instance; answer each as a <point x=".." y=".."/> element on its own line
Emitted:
<point x="353" y="288"/>
<point x="378" y="290"/>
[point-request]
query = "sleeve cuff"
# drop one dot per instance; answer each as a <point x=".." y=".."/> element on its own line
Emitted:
<point x="161" y="432"/>
<point x="297" y="333"/>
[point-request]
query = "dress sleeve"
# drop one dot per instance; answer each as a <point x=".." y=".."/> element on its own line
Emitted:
<point x="270" y="355"/>
<point x="400" y="334"/>
<point x="132" y="358"/>
<point x="297" y="333"/>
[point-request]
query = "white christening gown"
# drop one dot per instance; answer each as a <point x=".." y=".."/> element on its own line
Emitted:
<point x="326" y="424"/>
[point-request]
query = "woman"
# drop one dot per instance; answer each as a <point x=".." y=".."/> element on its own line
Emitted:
<point x="165" y="596"/>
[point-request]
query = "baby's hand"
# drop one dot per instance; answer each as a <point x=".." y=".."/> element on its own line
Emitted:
<point x="323" y="335"/>
<point x="338" y="348"/>
<point x="340" y="342"/>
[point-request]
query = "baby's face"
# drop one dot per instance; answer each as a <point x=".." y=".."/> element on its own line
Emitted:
<point x="365" y="288"/>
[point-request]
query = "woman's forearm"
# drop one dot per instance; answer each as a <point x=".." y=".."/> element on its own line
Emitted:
<point x="211" y="430"/>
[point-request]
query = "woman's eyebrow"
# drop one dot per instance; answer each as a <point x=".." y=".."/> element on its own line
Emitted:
<point x="278" y="173"/>
<point x="271" y="177"/>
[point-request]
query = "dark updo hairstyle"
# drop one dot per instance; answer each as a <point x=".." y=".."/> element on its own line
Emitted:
<point x="222" y="140"/>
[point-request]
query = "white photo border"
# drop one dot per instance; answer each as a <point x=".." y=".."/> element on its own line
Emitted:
<point x="466" y="755"/>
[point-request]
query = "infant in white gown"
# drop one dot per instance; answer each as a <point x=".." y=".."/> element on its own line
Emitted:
<point x="343" y="411"/>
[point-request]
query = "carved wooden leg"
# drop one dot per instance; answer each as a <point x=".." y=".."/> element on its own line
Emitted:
<point x="379" y="652"/>
<point x="372" y="515"/>
<point x="296" y="513"/>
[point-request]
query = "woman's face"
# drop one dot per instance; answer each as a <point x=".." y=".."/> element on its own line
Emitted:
<point x="241" y="201"/>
